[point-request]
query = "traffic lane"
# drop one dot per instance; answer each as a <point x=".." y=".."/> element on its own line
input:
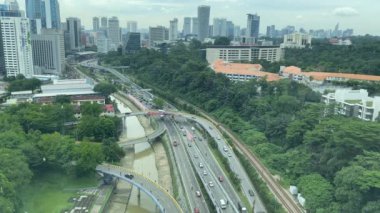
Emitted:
<point x="216" y="169"/>
<point x="216" y="191"/>
<point x="190" y="182"/>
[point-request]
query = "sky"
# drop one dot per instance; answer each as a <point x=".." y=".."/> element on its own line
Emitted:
<point x="361" y="15"/>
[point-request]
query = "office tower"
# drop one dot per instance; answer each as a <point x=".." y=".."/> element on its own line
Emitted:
<point x="230" y="29"/>
<point x="157" y="34"/>
<point x="219" y="27"/>
<point x="296" y="40"/>
<point x="271" y="31"/>
<point x="34" y="11"/>
<point x="173" y="30"/>
<point x="102" y="42"/>
<point x="48" y="51"/>
<point x="132" y="26"/>
<point x="253" y="26"/>
<point x="104" y="22"/>
<point x="194" y="27"/>
<point x="186" y="26"/>
<point x="12" y="5"/>
<point x="73" y="27"/>
<point x="15" y="49"/>
<point x="237" y="32"/>
<point x="95" y="23"/>
<point x="131" y="42"/>
<point x="114" y="32"/>
<point x="52" y="14"/>
<point x="6" y="12"/>
<point x="203" y="22"/>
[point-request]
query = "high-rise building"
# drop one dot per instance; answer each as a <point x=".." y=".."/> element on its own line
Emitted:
<point x="114" y="32"/>
<point x="12" y="5"/>
<point x="52" y="14"/>
<point x="6" y="12"/>
<point x="34" y="11"/>
<point x="73" y="27"/>
<point x="237" y="32"/>
<point x="230" y="30"/>
<point x="132" y="26"/>
<point x="95" y="23"/>
<point x="219" y="27"/>
<point x="157" y="34"/>
<point x="131" y="42"/>
<point x="203" y="22"/>
<point x="194" y="27"/>
<point x="253" y="26"/>
<point x="48" y="51"/>
<point x="15" y="48"/>
<point x="186" y="26"/>
<point x="173" y="30"/>
<point x="271" y="31"/>
<point x="104" y="22"/>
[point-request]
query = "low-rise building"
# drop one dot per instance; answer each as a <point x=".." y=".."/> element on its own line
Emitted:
<point x="354" y="103"/>
<point x="296" y="40"/>
<point x="296" y="74"/>
<point x="242" y="72"/>
<point x="244" y="53"/>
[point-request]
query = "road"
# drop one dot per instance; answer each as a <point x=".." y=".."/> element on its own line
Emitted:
<point x="148" y="138"/>
<point x="188" y="176"/>
<point x="164" y="201"/>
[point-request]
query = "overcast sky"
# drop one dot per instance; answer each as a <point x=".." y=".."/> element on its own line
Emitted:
<point x="361" y="15"/>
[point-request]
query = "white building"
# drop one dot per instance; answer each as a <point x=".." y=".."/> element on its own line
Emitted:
<point x="219" y="27"/>
<point x="186" y="26"/>
<point x="49" y="51"/>
<point x="354" y="103"/>
<point x="16" y="49"/>
<point x="114" y="32"/>
<point x="157" y="34"/>
<point x="132" y="26"/>
<point x="296" y="40"/>
<point x="173" y="30"/>
<point x="103" y="44"/>
<point x="244" y="53"/>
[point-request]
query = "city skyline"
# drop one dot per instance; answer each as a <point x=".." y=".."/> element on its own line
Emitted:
<point x="323" y="14"/>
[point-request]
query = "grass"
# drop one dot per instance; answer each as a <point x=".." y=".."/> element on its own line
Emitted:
<point x="51" y="191"/>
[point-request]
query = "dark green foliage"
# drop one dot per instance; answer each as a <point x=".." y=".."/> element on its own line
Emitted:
<point x="283" y="122"/>
<point x="105" y="89"/>
<point x="24" y="84"/>
<point x="222" y="41"/>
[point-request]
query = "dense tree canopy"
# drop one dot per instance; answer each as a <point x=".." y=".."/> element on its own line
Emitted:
<point x="283" y="122"/>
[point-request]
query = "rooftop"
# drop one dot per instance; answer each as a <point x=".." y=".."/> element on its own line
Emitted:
<point x="220" y="66"/>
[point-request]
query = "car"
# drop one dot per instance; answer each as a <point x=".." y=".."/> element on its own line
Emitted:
<point x="189" y="144"/>
<point x="229" y="155"/>
<point x="196" y="156"/>
<point x="198" y="193"/>
<point x="196" y="210"/>
<point x="205" y="172"/>
<point x="211" y="184"/>
<point x="225" y="149"/>
<point x="129" y="176"/>
<point x="251" y="193"/>
<point x="200" y="165"/>
<point x="175" y="143"/>
<point x="220" y="178"/>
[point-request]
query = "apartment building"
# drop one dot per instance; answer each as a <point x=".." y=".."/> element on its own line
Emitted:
<point x="244" y="53"/>
<point x="354" y="103"/>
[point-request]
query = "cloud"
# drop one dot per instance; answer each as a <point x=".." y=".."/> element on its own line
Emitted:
<point x="345" y="11"/>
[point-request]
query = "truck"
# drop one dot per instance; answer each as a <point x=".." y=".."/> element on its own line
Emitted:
<point x="223" y="204"/>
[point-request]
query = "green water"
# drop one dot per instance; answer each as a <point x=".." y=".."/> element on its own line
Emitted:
<point x="49" y="192"/>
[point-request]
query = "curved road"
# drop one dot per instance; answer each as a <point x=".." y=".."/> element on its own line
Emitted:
<point x="164" y="201"/>
<point x="157" y="133"/>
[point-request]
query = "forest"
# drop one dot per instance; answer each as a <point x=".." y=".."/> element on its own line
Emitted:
<point x="335" y="161"/>
<point x="34" y="139"/>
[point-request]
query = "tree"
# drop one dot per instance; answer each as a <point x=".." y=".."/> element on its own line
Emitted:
<point x="14" y="167"/>
<point x="112" y="151"/>
<point x="317" y="191"/>
<point x="87" y="156"/>
<point x="62" y="99"/>
<point x="89" y="109"/>
<point x="105" y="89"/>
<point x="158" y="102"/>
<point x="222" y="41"/>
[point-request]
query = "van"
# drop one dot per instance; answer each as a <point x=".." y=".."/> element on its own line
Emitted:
<point x="223" y="204"/>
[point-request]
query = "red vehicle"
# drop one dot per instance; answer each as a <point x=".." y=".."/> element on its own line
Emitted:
<point x="220" y="178"/>
<point x="196" y="210"/>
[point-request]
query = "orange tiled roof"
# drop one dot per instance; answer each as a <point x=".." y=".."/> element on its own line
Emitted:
<point x="321" y="76"/>
<point x="220" y="66"/>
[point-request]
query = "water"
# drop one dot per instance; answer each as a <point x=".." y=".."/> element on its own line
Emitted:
<point x="144" y="162"/>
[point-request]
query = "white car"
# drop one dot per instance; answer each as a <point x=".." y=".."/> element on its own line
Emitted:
<point x="204" y="172"/>
<point x="200" y="165"/>
<point x="225" y="149"/>
<point x="211" y="184"/>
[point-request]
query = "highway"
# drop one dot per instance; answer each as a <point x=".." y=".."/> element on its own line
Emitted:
<point x="148" y="138"/>
<point x="164" y="201"/>
<point x="184" y="165"/>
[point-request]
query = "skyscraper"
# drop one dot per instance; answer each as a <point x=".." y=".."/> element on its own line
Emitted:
<point x="73" y="27"/>
<point x="13" y="4"/>
<point x="52" y="14"/>
<point x="173" y="30"/>
<point x="15" y="48"/>
<point x="219" y="27"/>
<point x="43" y="14"/>
<point x="114" y="32"/>
<point x="49" y="51"/>
<point x="132" y="26"/>
<point x="157" y="34"/>
<point x="253" y="26"/>
<point x="203" y="22"/>
<point x="194" y="27"/>
<point x="34" y="11"/>
<point x="104" y="22"/>
<point x="131" y="42"/>
<point x="95" y="23"/>
<point x="186" y="26"/>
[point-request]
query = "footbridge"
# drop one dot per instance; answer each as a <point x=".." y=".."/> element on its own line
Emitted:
<point x="149" y="138"/>
<point x="160" y="196"/>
